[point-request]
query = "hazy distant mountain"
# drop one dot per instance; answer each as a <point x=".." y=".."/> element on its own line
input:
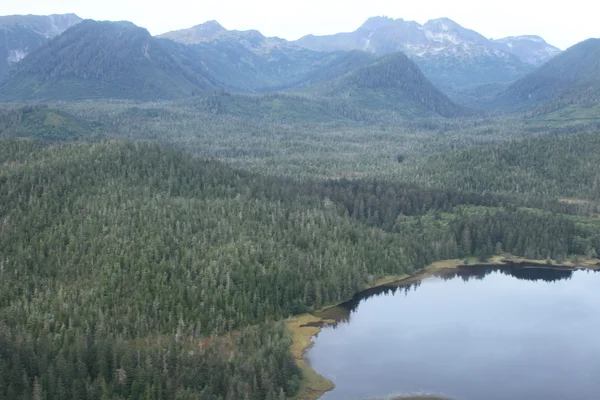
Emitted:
<point x="205" y="32"/>
<point x="121" y="60"/>
<point x="105" y="60"/>
<point x="46" y="25"/>
<point x="530" y="49"/>
<point x="250" y="62"/>
<point x="571" y="78"/>
<point x="383" y="35"/>
<point x="212" y="31"/>
<point x="449" y="54"/>
<point x="22" y="34"/>
<point x="237" y="67"/>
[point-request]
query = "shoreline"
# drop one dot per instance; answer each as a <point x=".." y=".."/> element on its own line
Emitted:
<point x="305" y="327"/>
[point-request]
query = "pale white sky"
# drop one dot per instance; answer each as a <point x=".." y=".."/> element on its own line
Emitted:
<point x="561" y="23"/>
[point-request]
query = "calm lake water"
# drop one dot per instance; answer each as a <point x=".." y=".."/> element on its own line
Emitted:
<point x="479" y="334"/>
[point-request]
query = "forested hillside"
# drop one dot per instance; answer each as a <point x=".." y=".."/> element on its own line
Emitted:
<point x="393" y="82"/>
<point x="103" y="60"/>
<point x="234" y="66"/>
<point x="41" y="122"/>
<point x="131" y="271"/>
<point x="570" y="78"/>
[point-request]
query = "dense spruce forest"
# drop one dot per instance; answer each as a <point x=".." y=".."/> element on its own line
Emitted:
<point x="535" y="168"/>
<point x="134" y="271"/>
<point x="165" y="207"/>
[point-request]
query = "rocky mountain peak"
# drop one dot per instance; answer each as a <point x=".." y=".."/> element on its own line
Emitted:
<point x="382" y="35"/>
<point x="209" y="28"/>
<point x="532" y="49"/>
<point x="205" y="32"/>
<point x="61" y="22"/>
<point x="212" y="31"/>
<point x="442" y="24"/>
<point x="375" y="23"/>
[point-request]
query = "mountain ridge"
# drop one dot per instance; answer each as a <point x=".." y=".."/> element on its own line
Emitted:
<point x="451" y="56"/>
<point x="384" y="35"/>
<point x="122" y="61"/>
<point x="570" y="78"/>
<point x="76" y="65"/>
<point x="22" y="34"/>
<point x="103" y="60"/>
<point x="48" y="25"/>
<point x="212" y="31"/>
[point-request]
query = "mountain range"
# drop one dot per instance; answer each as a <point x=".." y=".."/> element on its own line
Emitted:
<point x="61" y="57"/>
<point x="450" y="55"/>
<point x="212" y="31"/>
<point x="382" y="35"/>
<point x="120" y="60"/>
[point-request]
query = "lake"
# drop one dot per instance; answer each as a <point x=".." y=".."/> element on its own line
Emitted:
<point x="476" y="333"/>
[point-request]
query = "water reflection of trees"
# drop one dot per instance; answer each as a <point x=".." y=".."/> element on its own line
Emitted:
<point x="528" y="273"/>
<point x="343" y="313"/>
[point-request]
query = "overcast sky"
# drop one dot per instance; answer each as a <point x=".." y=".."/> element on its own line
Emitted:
<point x="561" y="23"/>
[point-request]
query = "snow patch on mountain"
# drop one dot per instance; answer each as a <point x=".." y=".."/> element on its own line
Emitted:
<point x="531" y="49"/>
<point x="382" y="35"/>
<point x="442" y="37"/>
<point x="14" y="56"/>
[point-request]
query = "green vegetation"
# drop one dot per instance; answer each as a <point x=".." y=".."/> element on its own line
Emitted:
<point x="102" y="60"/>
<point x="292" y="135"/>
<point x="477" y="94"/>
<point x="395" y="83"/>
<point x="262" y="68"/>
<point x="540" y="168"/>
<point x="303" y="328"/>
<point x="154" y="250"/>
<point x="125" y="267"/>
<point x="43" y="123"/>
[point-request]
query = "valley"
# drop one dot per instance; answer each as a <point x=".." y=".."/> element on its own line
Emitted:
<point x="183" y="215"/>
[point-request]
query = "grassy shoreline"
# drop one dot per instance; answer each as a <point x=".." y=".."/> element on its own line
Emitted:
<point x="306" y="326"/>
